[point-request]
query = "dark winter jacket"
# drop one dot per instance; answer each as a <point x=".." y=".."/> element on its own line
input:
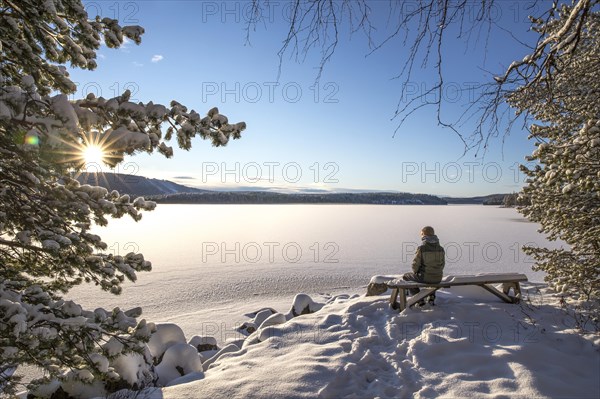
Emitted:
<point x="429" y="260"/>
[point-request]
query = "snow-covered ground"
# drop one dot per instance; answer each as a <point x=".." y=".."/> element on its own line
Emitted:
<point x="213" y="263"/>
<point x="469" y="345"/>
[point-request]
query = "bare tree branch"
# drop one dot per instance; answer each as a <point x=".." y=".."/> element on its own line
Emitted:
<point x="423" y="29"/>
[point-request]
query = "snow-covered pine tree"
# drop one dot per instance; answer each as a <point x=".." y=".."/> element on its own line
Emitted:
<point x="46" y="246"/>
<point x="563" y="189"/>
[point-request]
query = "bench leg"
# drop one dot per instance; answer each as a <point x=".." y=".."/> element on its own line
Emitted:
<point x="516" y="287"/>
<point x="398" y="300"/>
<point x="402" y="299"/>
<point x="394" y="303"/>
<point x="517" y="290"/>
<point x="502" y="295"/>
<point x="393" y="298"/>
<point x="424" y="293"/>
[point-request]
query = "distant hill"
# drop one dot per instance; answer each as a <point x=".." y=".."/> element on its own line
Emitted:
<point x="168" y="192"/>
<point x="135" y="185"/>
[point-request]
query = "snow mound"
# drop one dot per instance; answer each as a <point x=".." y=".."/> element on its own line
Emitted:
<point x="274" y="319"/>
<point x="165" y="336"/>
<point x="194" y="376"/>
<point x="135" y="368"/>
<point x="231" y="348"/>
<point x="204" y="356"/>
<point x="178" y="360"/>
<point x="269" y="332"/>
<point x="77" y="389"/>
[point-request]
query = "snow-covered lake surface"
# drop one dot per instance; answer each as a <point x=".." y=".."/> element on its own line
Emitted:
<point x="213" y="263"/>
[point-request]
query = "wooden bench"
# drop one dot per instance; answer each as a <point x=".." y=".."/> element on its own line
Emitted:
<point x="509" y="281"/>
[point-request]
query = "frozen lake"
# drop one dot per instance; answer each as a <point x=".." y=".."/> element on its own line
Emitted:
<point x="212" y="263"/>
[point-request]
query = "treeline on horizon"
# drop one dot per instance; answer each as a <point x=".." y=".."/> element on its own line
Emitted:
<point x="264" y="197"/>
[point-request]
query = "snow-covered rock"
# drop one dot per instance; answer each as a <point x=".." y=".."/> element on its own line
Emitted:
<point x="303" y="304"/>
<point x="247" y="328"/>
<point x="203" y="344"/>
<point x="262" y="315"/>
<point x="377" y="285"/>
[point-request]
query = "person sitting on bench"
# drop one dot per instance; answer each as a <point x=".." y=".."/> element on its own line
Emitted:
<point x="428" y="264"/>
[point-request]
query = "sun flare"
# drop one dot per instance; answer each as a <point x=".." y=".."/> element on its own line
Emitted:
<point x="93" y="154"/>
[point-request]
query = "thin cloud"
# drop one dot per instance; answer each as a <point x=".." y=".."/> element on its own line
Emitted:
<point x="137" y="64"/>
<point x="157" y="58"/>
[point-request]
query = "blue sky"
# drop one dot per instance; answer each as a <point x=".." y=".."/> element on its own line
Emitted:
<point x="336" y="135"/>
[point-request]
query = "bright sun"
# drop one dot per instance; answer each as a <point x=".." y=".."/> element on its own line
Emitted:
<point x="93" y="154"/>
